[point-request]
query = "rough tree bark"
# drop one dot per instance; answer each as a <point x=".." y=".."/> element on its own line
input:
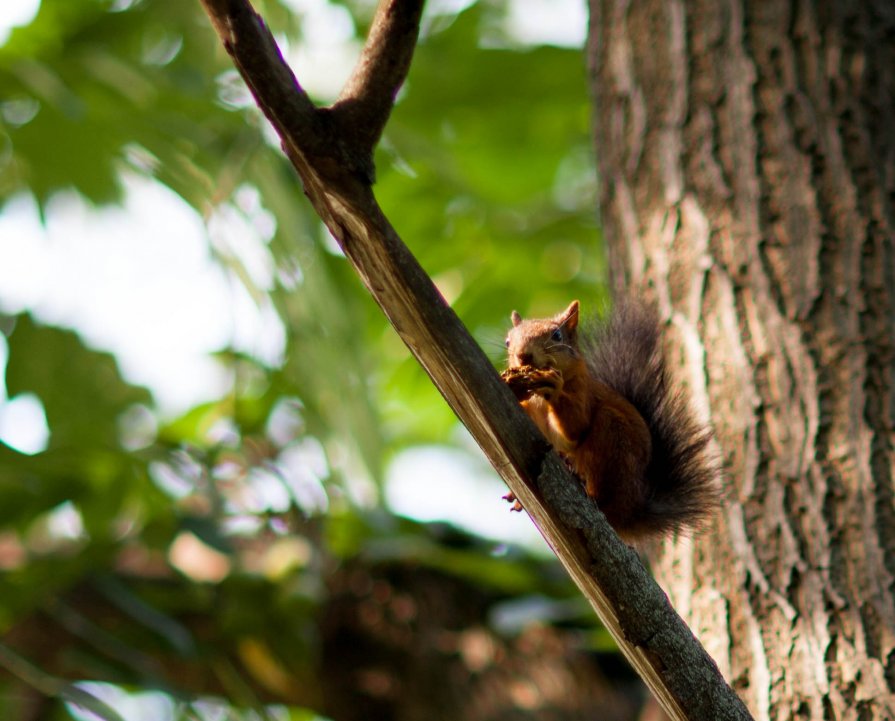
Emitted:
<point x="747" y="161"/>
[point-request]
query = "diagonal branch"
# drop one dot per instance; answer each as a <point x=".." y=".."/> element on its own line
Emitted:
<point x="258" y="59"/>
<point x="335" y="166"/>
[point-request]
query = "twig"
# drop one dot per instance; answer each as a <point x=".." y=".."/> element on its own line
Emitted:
<point x="53" y="687"/>
<point x="335" y="165"/>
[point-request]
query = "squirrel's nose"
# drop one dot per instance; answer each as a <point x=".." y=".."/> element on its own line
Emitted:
<point x="525" y="359"/>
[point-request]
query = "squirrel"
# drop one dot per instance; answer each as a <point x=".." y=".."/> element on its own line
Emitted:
<point x="605" y="402"/>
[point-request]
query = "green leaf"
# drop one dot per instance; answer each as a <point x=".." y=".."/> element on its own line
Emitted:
<point x="82" y="390"/>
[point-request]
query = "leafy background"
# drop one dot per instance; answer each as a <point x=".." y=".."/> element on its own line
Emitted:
<point x="160" y="564"/>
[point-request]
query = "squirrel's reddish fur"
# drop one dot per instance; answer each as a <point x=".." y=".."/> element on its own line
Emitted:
<point x="605" y="402"/>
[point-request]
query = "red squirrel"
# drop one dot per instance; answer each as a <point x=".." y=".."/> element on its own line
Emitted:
<point x="606" y="403"/>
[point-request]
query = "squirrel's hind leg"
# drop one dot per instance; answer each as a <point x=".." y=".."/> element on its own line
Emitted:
<point x="511" y="498"/>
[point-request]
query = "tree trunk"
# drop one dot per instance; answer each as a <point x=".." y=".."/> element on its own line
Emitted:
<point x="747" y="162"/>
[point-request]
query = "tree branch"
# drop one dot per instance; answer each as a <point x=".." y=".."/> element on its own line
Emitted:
<point x="367" y="99"/>
<point x="633" y="608"/>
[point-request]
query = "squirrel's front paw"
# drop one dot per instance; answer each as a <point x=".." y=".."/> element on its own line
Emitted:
<point x="519" y="381"/>
<point x="526" y="381"/>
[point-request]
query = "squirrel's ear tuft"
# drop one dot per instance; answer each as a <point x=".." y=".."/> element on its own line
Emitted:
<point x="569" y="317"/>
<point x="516" y="318"/>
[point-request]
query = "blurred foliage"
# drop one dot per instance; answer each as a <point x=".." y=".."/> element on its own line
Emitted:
<point x="243" y="505"/>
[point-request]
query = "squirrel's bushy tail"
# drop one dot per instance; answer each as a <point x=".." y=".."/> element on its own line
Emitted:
<point x="624" y="352"/>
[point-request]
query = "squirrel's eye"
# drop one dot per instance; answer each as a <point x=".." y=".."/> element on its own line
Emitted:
<point x="557" y="335"/>
<point x="508" y="343"/>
